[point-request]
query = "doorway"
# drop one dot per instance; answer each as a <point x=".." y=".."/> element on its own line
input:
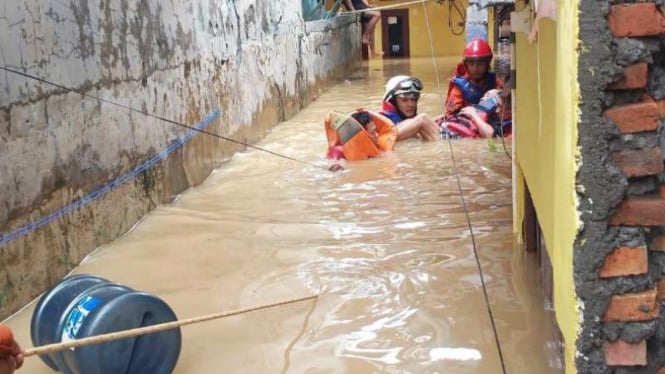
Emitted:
<point x="395" y="33"/>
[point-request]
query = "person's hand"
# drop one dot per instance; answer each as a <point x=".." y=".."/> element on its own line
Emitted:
<point x="490" y="93"/>
<point x="438" y="119"/>
<point x="469" y="112"/>
<point x="11" y="355"/>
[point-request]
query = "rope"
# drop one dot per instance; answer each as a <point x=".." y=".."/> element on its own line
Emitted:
<point x="57" y="347"/>
<point x="391" y="6"/>
<point x="464" y="205"/>
<point x="451" y="4"/>
<point x="145" y="113"/>
<point x="96" y="194"/>
<point x="162" y="155"/>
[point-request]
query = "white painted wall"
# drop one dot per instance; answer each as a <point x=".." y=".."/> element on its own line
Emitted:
<point x="178" y="59"/>
<point x="135" y="54"/>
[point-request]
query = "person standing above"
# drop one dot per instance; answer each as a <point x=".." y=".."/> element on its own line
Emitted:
<point x="473" y="77"/>
<point x="400" y="104"/>
<point x="369" y="18"/>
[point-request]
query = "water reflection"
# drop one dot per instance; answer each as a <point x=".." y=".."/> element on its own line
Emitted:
<point x="385" y="242"/>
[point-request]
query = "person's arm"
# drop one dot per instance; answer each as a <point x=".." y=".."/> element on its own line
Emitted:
<point x="484" y="128"/>
<point x="11" y="354"/>
<point x="366" y="2"/>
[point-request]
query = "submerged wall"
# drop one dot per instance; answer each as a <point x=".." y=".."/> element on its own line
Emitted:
<point x="256" y="60"/>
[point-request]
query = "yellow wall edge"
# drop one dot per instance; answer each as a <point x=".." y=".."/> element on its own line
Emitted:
<point x="546" y="118"/>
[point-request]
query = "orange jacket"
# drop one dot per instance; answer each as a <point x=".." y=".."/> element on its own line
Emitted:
<point x="357" y="143"/>
<point x="455" y="98"/>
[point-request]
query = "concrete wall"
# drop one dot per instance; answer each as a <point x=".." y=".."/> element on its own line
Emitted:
<point x="546" y="116"/>
<point x="256" y="60"/>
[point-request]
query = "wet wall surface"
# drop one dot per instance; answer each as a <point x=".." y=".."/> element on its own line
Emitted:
<point x="255" y="61"/>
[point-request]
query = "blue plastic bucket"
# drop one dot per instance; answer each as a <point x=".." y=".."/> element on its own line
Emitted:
<point x="83" y="305"/>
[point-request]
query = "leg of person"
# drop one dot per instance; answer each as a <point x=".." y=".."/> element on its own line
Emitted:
<point x="372" y="17"/>
<point x="372" y="47"/>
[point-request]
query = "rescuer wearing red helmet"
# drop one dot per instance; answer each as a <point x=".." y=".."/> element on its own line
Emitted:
<point x="472" y="77"/>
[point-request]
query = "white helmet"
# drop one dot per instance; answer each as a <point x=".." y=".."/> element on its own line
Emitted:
<point x="402" y="85"/>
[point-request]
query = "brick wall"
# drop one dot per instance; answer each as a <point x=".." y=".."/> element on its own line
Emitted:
<point x="633" y="333"/>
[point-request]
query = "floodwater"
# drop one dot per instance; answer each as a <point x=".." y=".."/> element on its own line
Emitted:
<point x="385" y="243"/>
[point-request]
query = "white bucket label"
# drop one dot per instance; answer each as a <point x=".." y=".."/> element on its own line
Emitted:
<point x="76" y="317"/>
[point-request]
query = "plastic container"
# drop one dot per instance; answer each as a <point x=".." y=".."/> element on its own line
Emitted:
<point x="83" y="305"/>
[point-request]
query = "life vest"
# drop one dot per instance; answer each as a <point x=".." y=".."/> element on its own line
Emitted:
<point x="346" y="134"/>
<point x="464" y="127"/>
<point x="460" y="126"/>
<point x="471" y="92"/>
<point x="389" y="110"/>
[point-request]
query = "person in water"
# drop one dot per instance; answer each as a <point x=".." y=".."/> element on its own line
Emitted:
<point x="359" y="135"/>
<point x="400" y="104"/>
<point x="473" y="78"/>
<point x="11" y="355"/>
<point x="491" y="117"/>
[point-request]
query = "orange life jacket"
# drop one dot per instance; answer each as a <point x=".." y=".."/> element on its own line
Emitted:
<point x="344" y="130"/>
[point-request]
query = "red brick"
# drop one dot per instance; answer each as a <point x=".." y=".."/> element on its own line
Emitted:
<point x="640" y="19"/>
<point x="625" y="261"/>
<point x="621" y="353"/>
<point x="646" y="98"/>
<point x="634" y="117"/>
<point x="640" y="211"/>
<point x="633" y="307"/>
<point x="634" y="76"/>
<point x="658" y="243"/>
<point x="661" y="108"/>
<point x="639" y="163"/>
<point x="660" y="287"/>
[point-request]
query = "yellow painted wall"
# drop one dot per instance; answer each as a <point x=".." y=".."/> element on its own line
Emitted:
<point x="445" y="42"/>
<point x="546" y="100"/>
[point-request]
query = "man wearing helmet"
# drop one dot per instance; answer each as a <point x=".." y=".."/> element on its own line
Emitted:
<point x="400" y="105"/>
<point x="472" y="77"/>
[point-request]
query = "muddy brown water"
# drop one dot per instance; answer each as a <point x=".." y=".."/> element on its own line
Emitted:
<point x="385" y="242"/>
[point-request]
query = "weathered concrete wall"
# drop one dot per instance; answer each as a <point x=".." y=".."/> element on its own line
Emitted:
<point x="179" y="59"/>
<point x="619" y="254"/>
